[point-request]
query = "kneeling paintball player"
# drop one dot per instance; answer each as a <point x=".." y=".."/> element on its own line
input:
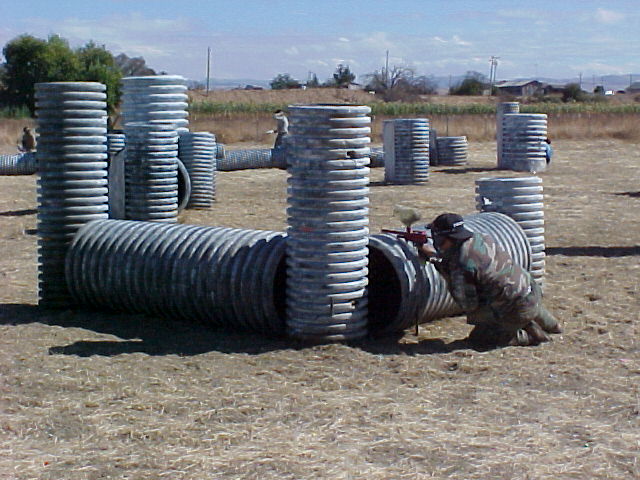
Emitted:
<point x="499" y="297"/>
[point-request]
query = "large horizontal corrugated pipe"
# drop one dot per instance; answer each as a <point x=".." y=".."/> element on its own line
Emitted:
<point x="226" y="277"/>
<point x="18" y="164"/>
<point x="223" y="277"/>
<point x="506" y="232"/>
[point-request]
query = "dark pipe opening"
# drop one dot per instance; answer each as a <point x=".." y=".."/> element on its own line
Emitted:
<point x="384" y="292"/>
<point x="184" y="186"/>
<point x="280" y="293"/>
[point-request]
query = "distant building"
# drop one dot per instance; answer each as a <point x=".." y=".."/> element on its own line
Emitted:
<point x="633" y="88"/>
<point x="551" y="88"/>
<point x="524" y="88"/>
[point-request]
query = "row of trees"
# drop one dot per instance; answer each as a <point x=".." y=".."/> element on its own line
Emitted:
<point x="30" y="60"/>
<point x="395" y="84"/>
<point x="398" y="83"/>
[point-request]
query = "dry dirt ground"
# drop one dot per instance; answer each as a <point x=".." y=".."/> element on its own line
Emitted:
<point x="95" y="395"/>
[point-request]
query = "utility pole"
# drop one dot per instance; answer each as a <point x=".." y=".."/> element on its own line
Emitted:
<point x="208" y="67"/>
<point x="492" y="72"/>
<point x="386" y="71"/>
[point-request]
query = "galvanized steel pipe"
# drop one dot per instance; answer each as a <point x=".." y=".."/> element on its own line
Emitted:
<point x="155" y="98"/>
<point x="523" y="142"/>
<point x="151" y="172"/>
<point x="197" y="151"/>
<point x="18" y="164"/>
<point x="72" y="170"/>
<point x="502" y="109"/>
<point x="328" y="218"/>
<point x="452" y="150"/>
<point x="224" y="277"/>
<point x="521" y="199"/>
<point x="406" y="150"/>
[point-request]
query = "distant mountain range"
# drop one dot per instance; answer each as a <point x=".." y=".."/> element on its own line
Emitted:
<point x="609" y="82"/>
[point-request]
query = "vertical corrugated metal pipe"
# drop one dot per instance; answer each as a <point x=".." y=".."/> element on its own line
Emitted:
<point x="72" y="171"/>
<point x="328" y="219"/>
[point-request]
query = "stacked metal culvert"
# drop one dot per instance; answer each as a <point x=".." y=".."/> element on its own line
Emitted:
<point x="502" y="109"/>
<point x="521" y="199"/>
<point x="406" y="150"/>
<point x="523" y="142"/>
<point x="155" y="98"/>
<point x="452" y="150"/>
<point x="223" y="277"/>
<point x="72" y="168"/>
<point x="328" y="222"/>
<point x="115" y="143"/>
<point x="197" y="151"/>
<point x="505" y="231"/>
<point x="151" y="172"/>
<point x="18" y="164"/>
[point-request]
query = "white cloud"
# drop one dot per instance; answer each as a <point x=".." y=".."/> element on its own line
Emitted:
<point x="458" y="41"/>
<point x="292" y="50"/>
<point x="608" y="16"/>
<point x="343" y="39"/>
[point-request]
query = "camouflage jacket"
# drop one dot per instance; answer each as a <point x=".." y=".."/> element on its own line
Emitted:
<point x="481" y="274"/>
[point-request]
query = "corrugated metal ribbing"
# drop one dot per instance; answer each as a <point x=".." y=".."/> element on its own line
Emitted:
<point x="521" y="199"/>
<point x="72" y="170"/>
<point x="406" y="147"/>
<point x="523" y="138"/>
<point x="452" y="150"/>
<point x="328" y="222"/>
<point x="197" y="151"/>
<point x="502" y="109"/>
<point x="18" y="164"/>
<point x="151" y="172"/>
<point x="155" y="98"/>
<point x="225" y="277"/>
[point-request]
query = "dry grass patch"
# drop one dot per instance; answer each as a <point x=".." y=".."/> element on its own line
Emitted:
<point x="89" y="395"/>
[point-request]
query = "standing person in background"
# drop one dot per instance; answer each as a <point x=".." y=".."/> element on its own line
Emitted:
<point x="548" y="150"/>
<point x="282" y="127"/>
<point x="28" y="141"/>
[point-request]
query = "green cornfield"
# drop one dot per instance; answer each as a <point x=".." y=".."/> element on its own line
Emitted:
<point x="401" y="109"/>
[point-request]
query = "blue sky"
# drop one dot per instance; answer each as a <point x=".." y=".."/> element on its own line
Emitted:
<point x="259" y="39"/>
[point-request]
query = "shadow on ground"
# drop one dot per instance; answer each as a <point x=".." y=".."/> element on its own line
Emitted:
<point x="594" y="251"/>
<point x="457" y="171"/>
<point x="629" y="194"/>
<point x="157" y="336"/>
<point x="19" y="213"/>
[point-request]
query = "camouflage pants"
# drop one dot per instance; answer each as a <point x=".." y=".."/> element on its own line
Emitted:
<point x="517" y="316"/>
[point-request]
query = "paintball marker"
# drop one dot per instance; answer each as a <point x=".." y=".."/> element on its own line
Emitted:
<point x="408" y="216"/>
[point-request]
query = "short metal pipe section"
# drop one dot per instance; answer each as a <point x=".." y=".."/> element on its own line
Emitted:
<point x="197" y="151"/>
<point x="223" y="277"/>
<point x="18" y="164"/>
<point x="155" y="98"/>
<point x="406" y="150"/>
<point x="328" y="218"/>
<point x="452" y="151"/>
<point x="505" y="231"/>
<point x="522" y="199"/>
<point x="72" y="175"/>
<point x="502" y="109"/>
<point x="245" y="159"/>
<point x="523" y="140"/>
<point x="151" y="172"/>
